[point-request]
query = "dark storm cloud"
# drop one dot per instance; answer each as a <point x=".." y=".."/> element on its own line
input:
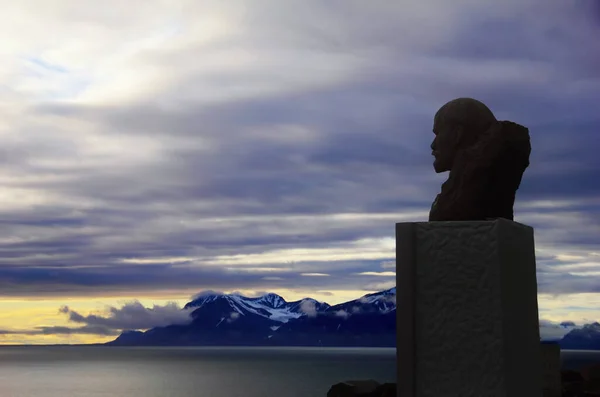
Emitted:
<point x="331" y="115"/>
<point x="559" y="284"/>
<point x="126" y="278"/>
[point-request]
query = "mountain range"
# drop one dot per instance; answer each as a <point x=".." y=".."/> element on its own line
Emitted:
<point x="235" y="320"/>
<point x="586" y="337"/>
<point x="218" y="319"/>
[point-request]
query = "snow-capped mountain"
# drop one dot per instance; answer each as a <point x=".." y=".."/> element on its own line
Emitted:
<point x="586" y="337"/>
<point x="379" y="302"/>
<point x="367" y="321"/>
<point x="233" y="319"/>
<point x="271" y="306"/>
<point x="308" y="306"/>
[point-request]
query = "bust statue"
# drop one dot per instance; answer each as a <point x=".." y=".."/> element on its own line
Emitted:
<point x="486" y="159"/>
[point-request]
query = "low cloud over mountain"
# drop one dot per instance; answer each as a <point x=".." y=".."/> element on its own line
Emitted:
<point x="216" y="317"/>
<point x="132" y="315"/>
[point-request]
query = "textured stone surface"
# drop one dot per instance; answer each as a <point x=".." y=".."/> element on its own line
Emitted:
<point x="458" y="297"/>
<point x="468" y="320"/>
<point x="551" y="377"/>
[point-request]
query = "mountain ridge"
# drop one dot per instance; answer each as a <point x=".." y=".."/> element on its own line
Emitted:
<point x="234" y="319"/>
<point x="269" y="320"/>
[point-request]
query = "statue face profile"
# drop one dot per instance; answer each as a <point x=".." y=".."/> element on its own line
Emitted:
<point x="486" y="159"/>
<point x="444" y="147"/>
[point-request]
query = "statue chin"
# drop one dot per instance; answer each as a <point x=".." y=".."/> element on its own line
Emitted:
<point x="440" y="167"/>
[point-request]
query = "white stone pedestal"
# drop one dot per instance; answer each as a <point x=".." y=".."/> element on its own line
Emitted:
<point x="467" y="313"/>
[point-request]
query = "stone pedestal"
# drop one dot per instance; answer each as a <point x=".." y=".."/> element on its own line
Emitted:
<point x="467" y="310"/>
<point x="551" y="382"/>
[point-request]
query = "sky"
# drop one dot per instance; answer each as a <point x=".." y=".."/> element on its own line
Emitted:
<point x="153" y="149"/>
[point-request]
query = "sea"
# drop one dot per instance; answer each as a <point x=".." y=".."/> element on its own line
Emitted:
<point x="99" y="371"/>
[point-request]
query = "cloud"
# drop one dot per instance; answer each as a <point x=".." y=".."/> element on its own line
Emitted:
<point x="204" y="293"/>
<point x="133" y="316"/>
<point x="554" y="331"/>
<point x="58" y="330"/>
<point x="233" y="316"/>
<point x="326" y="293"/>
<point x="309" y="308"/>
<point x="378" y="274"/>
<point x="388" y="265"/>
<point x="289" y="151"/>
<point x="342" y="313"/>
<point x="114" y="320"/>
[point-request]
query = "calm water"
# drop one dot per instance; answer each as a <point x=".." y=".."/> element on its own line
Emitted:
<point x="199" y="372"/>
<point x="34" y="371"/>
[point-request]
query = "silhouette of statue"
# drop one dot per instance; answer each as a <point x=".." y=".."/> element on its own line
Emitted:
<point x="486" y="159"/>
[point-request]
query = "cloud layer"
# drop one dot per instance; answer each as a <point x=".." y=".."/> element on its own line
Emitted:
<point x="198" y="145"/>
<point x="113" y="320"/>
<point x="134" y="316"/>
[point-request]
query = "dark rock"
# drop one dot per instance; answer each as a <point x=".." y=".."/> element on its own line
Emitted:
<point x="572" y="383"/>
<point x="581" y="384"/>
<point x="486" y="159"/>
<point x="385" y="390"/>
<point x="341" y="390"/>
<point x="591" y="372"/>
<point x="354" y="388"/>
<point x="570" y="376"/>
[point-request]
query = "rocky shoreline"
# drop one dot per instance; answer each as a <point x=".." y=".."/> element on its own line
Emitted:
<point x="583" y="383"/>
<point x="362" y="388"/>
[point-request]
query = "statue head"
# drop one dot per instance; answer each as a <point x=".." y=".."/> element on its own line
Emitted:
<point x="486" y="159"/>
<point x="456" y="126"/>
